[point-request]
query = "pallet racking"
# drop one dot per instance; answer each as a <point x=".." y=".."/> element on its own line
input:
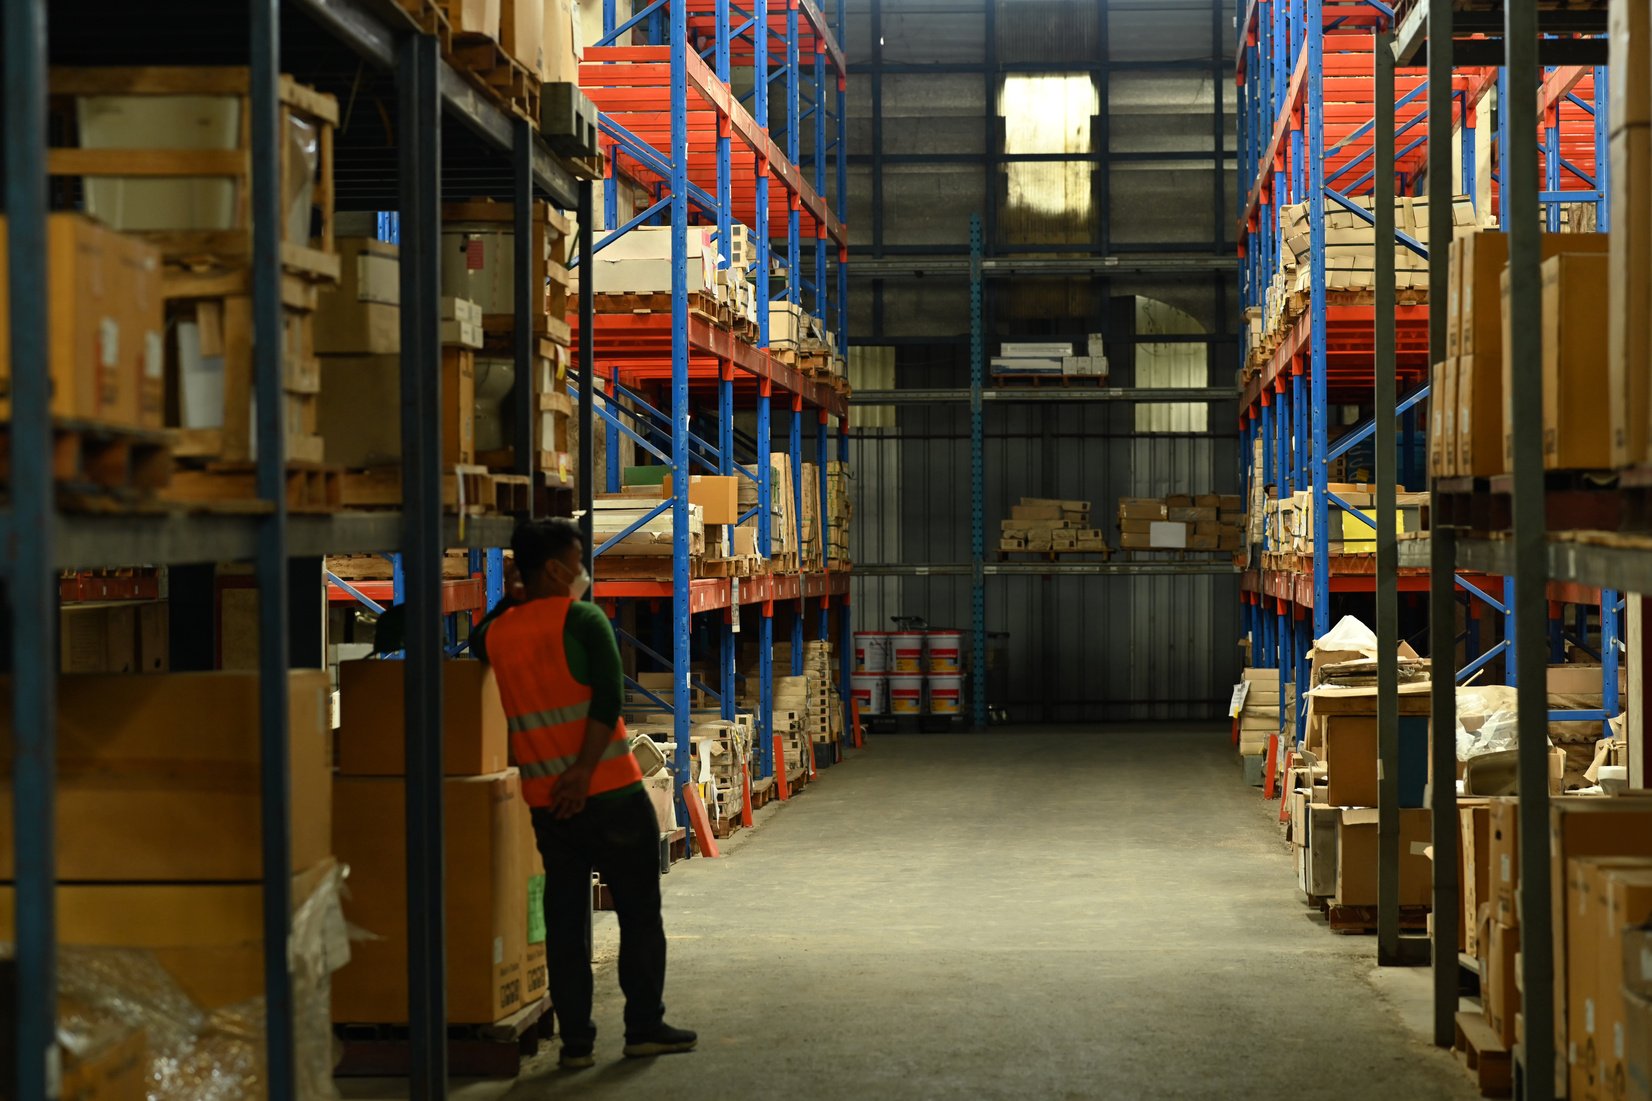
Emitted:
<point x="673" y="124"/>
<point x="375" y="52"/>
<point x="1287" y="129"/>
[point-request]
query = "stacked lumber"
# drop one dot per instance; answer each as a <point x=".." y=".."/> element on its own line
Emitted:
<point x="645" y="553"/>
<point x="838" y="513"/>
<point x="1207" y="522"/>
<point x="1350" y="533"/>
<point x="1052" y="525"/>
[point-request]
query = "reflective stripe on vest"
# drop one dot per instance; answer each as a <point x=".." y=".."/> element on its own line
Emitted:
<point x="546" y="709"/>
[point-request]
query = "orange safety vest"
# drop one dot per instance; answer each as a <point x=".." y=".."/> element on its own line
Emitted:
<point x="546" y="708"/>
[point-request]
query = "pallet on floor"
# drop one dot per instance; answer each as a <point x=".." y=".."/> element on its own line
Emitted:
<point x="497" y="1050"/>
<point x="1362" y="920"/>
<point x="1483" y="1053"/>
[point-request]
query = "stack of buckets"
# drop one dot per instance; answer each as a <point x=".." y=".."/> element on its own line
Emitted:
<point x="909" y="673"/>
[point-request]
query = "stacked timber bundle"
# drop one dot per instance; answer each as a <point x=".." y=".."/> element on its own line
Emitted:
<point x="1051" y="526"/>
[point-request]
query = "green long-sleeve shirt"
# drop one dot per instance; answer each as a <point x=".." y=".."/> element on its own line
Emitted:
<point x="592" y="652"/>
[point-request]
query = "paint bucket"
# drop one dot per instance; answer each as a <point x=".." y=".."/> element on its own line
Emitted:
<point x="871" y="692"/>
<point x="906" y="652"/>
<point x="946" y="694"/>
<point x="871" y="651"/>
<point x="942" y="652"/>
<point x="906" y="694"/>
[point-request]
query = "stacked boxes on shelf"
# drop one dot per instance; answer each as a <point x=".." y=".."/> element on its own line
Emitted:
<point x="646" y="550"/>
<point x="824" y="719"/>
<point x="1052" y="525"/>
<point x="721" y="753"/>
<point x="838" y="513"/>
<point x="1348" y="534"/>
<point x="1051" y="359"/>
<point x="117" y="132"/>
<point x="1629" y="339"/>
<point x="493" y="971"/>
<point x="1208" y="522"/>
<point x="157" y="846"/>
<point x="1260" y="715"/>
<point x="792" y="719"/>
<point x="638" y="266"/>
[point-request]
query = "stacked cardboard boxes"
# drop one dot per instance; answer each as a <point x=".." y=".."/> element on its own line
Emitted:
<point x="1050" y="524"/>
<point x="492" y="968"/>
<point x="639" y="264"/>
<point x="1260" y="715"/>
<point x="1348" y="534"/>
<point x="1050" y="359"/>
<point x="647" y="547"/>
<point x="1207" y="522"/>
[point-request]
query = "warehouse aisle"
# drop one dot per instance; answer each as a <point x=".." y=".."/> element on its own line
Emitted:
<point x="1022" y="916"/>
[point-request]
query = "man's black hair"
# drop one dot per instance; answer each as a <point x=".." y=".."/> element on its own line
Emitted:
<point x="536" y="542"/>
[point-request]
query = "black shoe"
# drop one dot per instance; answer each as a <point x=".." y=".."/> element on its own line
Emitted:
<point x="578" y="1056"/>
<point x="663" y="1040"/>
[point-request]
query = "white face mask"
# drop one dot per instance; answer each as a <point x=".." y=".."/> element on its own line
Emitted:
<point x="580" y="585"/>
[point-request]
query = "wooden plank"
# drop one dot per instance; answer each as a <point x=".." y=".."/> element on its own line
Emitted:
<point x="150" y="80"/>
<point x="148" y="162"/>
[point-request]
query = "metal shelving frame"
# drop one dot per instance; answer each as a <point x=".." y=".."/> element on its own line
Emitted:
<point x="674" y="124"/>
<point x="1295" y="452"/>
<point x="40" y="540"/>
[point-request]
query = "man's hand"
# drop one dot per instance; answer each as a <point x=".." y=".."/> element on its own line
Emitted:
<point x="571" y="790"/>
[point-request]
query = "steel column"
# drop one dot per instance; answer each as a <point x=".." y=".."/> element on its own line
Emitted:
<point x="588" y="384"/>
<point x="977" y="483"/>
<point x="1314" y="95"/>
<point x="681" y="660"/>
<point x="421" y="381"/>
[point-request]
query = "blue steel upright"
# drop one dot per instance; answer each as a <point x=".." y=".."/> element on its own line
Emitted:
<point x="681" y="660"/>
<point x="977" y="486"/>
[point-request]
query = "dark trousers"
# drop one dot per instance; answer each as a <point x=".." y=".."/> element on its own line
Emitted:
<point x="618" y="836"/>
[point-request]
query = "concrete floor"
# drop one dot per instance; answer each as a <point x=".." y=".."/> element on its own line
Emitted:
<point x="1023" y="915"/>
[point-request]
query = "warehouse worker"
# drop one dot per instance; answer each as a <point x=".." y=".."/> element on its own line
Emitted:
<point x="562" y="684"/>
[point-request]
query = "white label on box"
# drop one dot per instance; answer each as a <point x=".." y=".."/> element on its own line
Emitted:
<point x="154" y="356"/>
<point x="1240" y="691"/>
<point x="108" y="342"/>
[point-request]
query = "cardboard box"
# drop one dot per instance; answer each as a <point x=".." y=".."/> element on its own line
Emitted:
<point x="1321" y="864"/>
<point x="1637" y="1053"/>
<point x="522" y="33"/>
<point x="1629" y="68"/>
<point x="98" y="638"/>
<point x="1357" y="858"/>
<point x="1581" y="826"/>
<point x="1442" y="420"/>
<point x="154" y="636"/>
<point x="1629" y="337"/>
<point x="1504" y="847"/>
<point x="351" y="384"/>
<point x="718" y="495"/>
<point x="208" y="936"/>
<point x="473" y="16"/>
<point x="1474" y="841"/>
<point x="371" y="735"/>
<point x="1575" y="347"/>
<point x="362" y="315"/>
<point x="1579" y="998"/>
<point x="158" y="777"/>
<point x="486" y="898"/>
<point x="1141" y="508"/>
<point x="106" y="351"/>
<point x="1622" y="899"/>
<point x="117" y="1070"/>
<point x="1350" y="755"/>
<point x="1500" y="986"/>
<point x="564" y="44"/>
<point x="536" y="981"/>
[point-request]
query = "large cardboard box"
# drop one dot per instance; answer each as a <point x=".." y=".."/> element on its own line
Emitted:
<point x="1474" y="840"/>
<point x="1629" y="68"/>
<point x="362" y="315"/>
<point x="105" y="326"/>
<point x="1637" y="1047"/>
<point x="1581" y="997"/>
<point x="718" y="495"/>
<point x="522" y="33"/>
<point x="158" y="777"/>
<point x="1479" y="433"/>
<point x="1321" y="866"/>
<point x="1504" y="829"/>
<point x="1500" y="986"/>
<point x="1357" y="858"/>
<point x="1629" y="337"/>
<point x="1350" y="755"/>
<point x="372" y="734"/>
<point x="1620" y="900"/>
<point x="208" y="936"/>
<point x="536" y="979"/>
<point x="486" y="898"/>
<point x="473" y="16"/>
<point x="351" y="385"/>
<point x="563" y="40"/>
<point x="1581" y="826"/>
<point x="1442" y="419"/>
<point x="1575" y="346"/>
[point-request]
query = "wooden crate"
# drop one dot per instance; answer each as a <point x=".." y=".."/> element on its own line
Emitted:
<point x="549" y="250"/>
<point x="306" y="115"/>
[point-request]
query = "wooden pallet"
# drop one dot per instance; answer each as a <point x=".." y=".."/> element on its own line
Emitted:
<point x="1362" y="920"/>
<point x="1573" y="500"/>
<point x="496" y="1050"/>
<point x="429" y="18"/>
<point x="700" y="304"/>
<point x="1483" y="1053"/>
<point x="310" y="488"/>
<point x="99" y="461"/>
<point x="503" y="78"/>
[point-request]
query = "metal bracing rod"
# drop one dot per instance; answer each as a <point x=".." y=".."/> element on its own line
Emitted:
<point x="610" y="238"/>
<point x="1369" y="218"/>
<point x="270" y="562"/>
<point x="611" y="33"/>
<point x="1359" y="435"/>
<point x="1314" y="98"/>
<point x="587" y="385"/>
<point x="1519" y="189"/>
<point x="419" y="119"/>
<point x="635" y="524"/>
<point x="31" y="587"/>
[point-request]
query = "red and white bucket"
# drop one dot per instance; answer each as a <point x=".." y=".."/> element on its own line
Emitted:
<point x="942" y="652"/>
<point x="906" y="652"/>
<point x="871" y="651"/>
<point x="871" y="691"/>
<point x="946" y="694"/>
<point x="906" y="694"/>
